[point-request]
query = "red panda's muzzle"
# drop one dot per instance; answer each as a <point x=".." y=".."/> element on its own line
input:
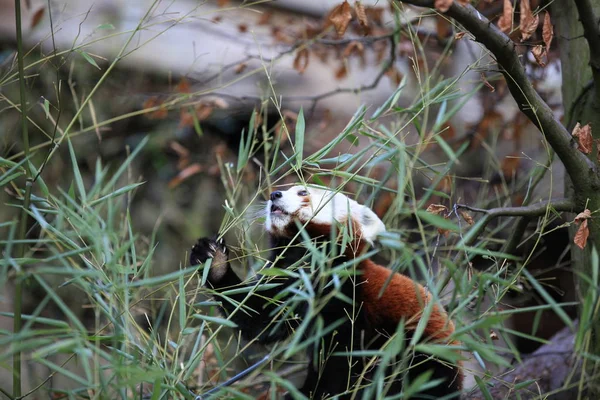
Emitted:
<point x="275" y="209"/>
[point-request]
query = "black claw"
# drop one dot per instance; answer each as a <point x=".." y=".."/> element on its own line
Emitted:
<point x="206" y="248"/>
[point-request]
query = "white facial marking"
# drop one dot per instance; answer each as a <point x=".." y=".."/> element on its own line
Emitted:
<point x="321" y="206"/>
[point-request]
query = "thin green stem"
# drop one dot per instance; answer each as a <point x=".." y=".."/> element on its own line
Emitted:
<point x="21" y="247"/>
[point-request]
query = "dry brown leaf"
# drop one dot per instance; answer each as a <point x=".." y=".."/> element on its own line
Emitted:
<point x="222" y="3"/>
<point x="582" y="216"/>
<point x="584" y="137"/>
<point x="493" y="335"/>
<point x="181" y="151"/>
<point x="437" y="209"/>
<point x="506" y="20"/>
<point x="445" y="184"/>
<point x="185" y="174"/>
<point x="353" y="47"/>
<point x="395" y="75"/>
<point x="341" y="72"/>
<point x="203" y="111"/>
<point x="185" y="118"/>
<point x="37" y="16"/>
<point x="509" y="166"/>
<point x="445" y="232"/>
<point x="241" y="67"/>
<point x="539" y="53"/>
<point x="459" y="35"/>
<point x="243" y="28"/>
<point x="301" y="60"/>
<point x="340" y="17"/>
<point x="463" y="2"/>
<point x="361" y="14"/>
<point x="582" y="235"/>
<point x="152" y="102"/>
<point x="442" y="5"/>
<point x="264" y="18"/>
<point x="375" y="14"/>
<point x="528" y="22"/>
<point x="547" y="31"/>
<point x="467" y="217"/>
<point x="183" y="86"/>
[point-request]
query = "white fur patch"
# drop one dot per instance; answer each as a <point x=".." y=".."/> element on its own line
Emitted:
<point x="321" y="206"/>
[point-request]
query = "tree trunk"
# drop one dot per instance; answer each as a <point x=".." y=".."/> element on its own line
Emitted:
<point x="581" y="104"/>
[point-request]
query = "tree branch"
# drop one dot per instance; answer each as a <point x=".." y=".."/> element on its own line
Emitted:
<point x="580" y="169"/>
<point x="534" y="210"/>
<point x="592" y="35"/>
<point x="551" y="368"/>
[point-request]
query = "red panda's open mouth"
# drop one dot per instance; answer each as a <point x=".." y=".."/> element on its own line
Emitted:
<point x="277" y="210"/>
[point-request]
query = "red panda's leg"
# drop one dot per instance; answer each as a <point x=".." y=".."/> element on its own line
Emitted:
<point x="251" y="310"/>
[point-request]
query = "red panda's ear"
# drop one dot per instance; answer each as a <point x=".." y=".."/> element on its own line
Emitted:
<point x="370" y="224"/>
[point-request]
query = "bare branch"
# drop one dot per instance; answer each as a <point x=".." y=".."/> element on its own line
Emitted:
<point x="592" y="35"/>
<point x="581" y="170"/>
<point x="534" y="210"/>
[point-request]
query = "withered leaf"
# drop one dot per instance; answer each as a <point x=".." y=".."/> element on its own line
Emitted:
<point x="528" y="23"/>
<point x="353" y="47"/>
<point x="582" y="235"/>
<point x="582" y="216"/>
<point x="361" y="14"/>
<point x="152" y="102"/>
<point x="467" y="217"/>
<point x="183" y="86"/>
<point x="584" y="137"/>
<point x="341" y="72"/>
<point x="340" y="17"/>
<point x="394" y="74"/>
<point x="442" y="5"/>
<point x="241" y="67"/>
<point x="506" y="19"/>
<point x="301" y="60"/>
<point x="463" y="2"/>
<point x="185" y="174"/>
<point x="264" y="18"/>
<point x="493" y="335"/>
<point x="203" y="111"/>
<point x="509" y="166"/>
<point x="547" y="31"/>
<point x="539" y="53"/>
<point x="437" y="209"/>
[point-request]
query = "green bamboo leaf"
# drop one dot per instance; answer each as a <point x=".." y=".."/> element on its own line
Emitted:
<point x="76" y="173"/>
<point x="88" y="58"/>
<point x="216" y="320"/>
<point x="299" y="144"/>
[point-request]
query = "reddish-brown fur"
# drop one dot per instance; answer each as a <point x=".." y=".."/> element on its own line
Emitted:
<point x="402" y="300"/>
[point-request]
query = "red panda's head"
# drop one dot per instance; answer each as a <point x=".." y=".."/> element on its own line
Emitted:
<point x="317" y="209"/>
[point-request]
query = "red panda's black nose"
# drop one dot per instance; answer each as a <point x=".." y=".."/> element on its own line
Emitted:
<point x="276" y="195"/>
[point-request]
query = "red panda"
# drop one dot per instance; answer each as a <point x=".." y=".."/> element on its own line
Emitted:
<point x="361" y="314"/>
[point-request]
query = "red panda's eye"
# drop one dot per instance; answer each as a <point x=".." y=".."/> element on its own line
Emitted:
<point x="302" y="193"/>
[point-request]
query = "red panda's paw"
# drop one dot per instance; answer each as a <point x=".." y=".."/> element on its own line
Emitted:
<point x="214" y="249"/>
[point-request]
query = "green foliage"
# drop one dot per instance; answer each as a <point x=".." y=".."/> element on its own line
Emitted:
<point x="152" y="333"/>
